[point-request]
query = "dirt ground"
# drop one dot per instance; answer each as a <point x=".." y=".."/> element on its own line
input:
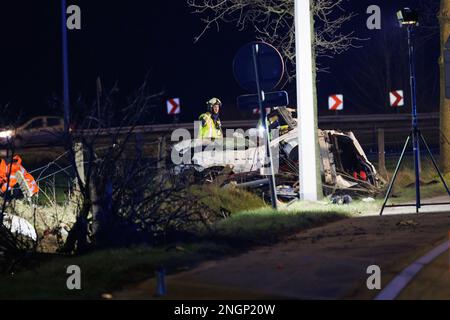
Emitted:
<point x="329" y="262"/>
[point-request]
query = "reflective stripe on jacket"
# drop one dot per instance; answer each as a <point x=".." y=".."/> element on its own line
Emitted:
<point x="15" y="168"/>
<point x="209" y="129"/>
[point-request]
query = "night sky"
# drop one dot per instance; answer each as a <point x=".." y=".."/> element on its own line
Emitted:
<point x="123" y="41"/>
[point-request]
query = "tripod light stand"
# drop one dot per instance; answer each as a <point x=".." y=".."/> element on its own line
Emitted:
<point x="409" y="18"/>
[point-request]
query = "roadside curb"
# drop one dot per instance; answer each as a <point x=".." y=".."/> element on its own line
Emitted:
<point x="402" y="280"/>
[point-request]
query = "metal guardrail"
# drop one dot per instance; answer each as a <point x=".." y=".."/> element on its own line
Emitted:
<point x="378" y="120"/>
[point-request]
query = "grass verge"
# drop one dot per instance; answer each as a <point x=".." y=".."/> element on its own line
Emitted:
<point x="266" y="226"/>
<point x="110" y="270"/>
<point x="233" y="200"/>
<point x="404" y="188"/>
<point x="101" y="271"/>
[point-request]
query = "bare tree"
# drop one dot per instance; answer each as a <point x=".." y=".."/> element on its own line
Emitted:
<point x="108" y="127"/>
<point x="444" y="20"/>
<point x="124" y="195"/>
<point x="120" y="190"/>
<point x="273" y="21"/>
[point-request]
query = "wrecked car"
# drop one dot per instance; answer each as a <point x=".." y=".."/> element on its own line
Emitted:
<point x="241" y="159"/>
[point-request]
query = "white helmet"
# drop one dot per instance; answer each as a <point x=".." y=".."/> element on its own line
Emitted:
<point x="213" y="101"/>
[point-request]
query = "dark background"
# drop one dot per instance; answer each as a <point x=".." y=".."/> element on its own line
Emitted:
<point x="124" y="41"/>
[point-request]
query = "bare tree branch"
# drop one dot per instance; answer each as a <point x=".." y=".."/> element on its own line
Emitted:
<point x="273" y="21"/>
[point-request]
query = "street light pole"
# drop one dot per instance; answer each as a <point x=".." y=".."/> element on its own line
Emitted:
<point x="305" y="102"/>
<point x="65" y="63"/>
<point x="415" y="127"/>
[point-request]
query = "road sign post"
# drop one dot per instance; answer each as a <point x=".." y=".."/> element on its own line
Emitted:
<point x="259" y="67"/>
<point x="262" y="110"/>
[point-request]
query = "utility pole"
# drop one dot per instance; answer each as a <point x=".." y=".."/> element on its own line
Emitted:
<point x="65" y="62"/>
<point x="99" y="94"/>
<point x="305" y="102"/>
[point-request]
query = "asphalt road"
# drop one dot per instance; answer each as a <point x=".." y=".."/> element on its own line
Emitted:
<point x="329" y="262"/>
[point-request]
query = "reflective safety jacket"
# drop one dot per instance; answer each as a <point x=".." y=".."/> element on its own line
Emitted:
<point x="3" y="170"/>
<point x="210" y="128"/>
<point x="18" y="175"/>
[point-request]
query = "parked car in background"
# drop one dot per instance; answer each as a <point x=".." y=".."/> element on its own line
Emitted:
<point x="38" y="130"/>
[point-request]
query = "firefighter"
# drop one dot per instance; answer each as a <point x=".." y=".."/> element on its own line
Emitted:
<point x="211" y="128"/>
<point x="16" y="170"/>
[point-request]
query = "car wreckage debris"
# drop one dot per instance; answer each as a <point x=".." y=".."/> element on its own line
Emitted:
<point x="344" y="164"/>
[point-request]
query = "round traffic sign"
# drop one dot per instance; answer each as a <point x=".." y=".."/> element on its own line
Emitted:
<point x="270" y="66"/>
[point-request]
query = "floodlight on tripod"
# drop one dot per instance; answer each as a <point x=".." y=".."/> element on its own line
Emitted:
<point x="409" y="19"/>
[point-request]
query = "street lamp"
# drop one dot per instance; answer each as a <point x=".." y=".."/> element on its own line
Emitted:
<point x="409" y="19"/>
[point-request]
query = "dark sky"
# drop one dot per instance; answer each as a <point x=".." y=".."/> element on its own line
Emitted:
<point x="123" y="41"/>
<point x="380" y="63"/>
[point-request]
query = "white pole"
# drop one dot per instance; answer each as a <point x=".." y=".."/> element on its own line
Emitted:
<point x="305" y="101"/>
